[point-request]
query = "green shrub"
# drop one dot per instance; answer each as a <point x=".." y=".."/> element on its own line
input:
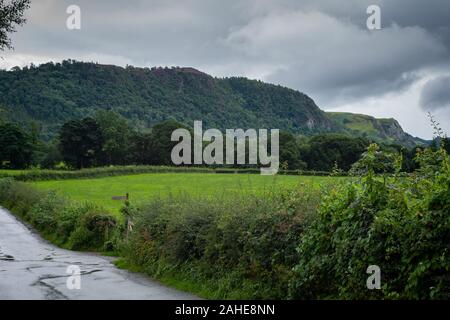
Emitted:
<point x="93" y="230"/>
<point x="232" y="247"/>
<point x="400" y="224"/>
<point x="45" y="212"/>
<point x="18" y="196"/>
<point x="5" y="185"/>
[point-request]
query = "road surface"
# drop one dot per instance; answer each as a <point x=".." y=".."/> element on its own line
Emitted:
<point x="32" y="268"/>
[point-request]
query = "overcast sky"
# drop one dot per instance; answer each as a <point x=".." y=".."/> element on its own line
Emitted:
<point x="320" y="47"/>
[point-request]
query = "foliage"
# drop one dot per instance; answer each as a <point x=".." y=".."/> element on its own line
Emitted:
<point x="52" y="157"/>
<point x="400" y="224"/>
<point x="118" y="143"/>
<point x="299" y="243"/>
<point x="233" y="247"/>
<point x="290" y="152"/>
<point x="72" y="225"/>
<point x="108" y="139"/>
<point x="81" y="142"/>
<point x="325" y="151"/>
<point x="16" y="147"/>
<point x="161" y="143"/>
<point x="115" y="133"/>
<point x="11" y="14"/>
<point x="55" y="93"/>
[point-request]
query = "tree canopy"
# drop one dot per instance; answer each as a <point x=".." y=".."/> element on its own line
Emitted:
<point x="11" y="15"/>
<point x="16" y="148"/>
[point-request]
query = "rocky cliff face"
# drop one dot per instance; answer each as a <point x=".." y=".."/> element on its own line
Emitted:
<point x="383" y="130"/>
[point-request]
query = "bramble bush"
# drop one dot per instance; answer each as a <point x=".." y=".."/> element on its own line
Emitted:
<point x="401" y="224"/>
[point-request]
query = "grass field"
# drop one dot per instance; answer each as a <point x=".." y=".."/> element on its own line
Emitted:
<point x="144" y="186"/>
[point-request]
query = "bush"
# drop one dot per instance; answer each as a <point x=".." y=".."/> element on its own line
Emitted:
<point x="5" y="185"/>
<point x="233" y="247"/>
<point x="400" y="224"/>
<point x="94" y="229"/>
<point x="17" y="196"/>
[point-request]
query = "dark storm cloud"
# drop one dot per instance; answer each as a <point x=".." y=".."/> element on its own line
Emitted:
<point x="321" y="47"/>
<point x="436" y="94"/>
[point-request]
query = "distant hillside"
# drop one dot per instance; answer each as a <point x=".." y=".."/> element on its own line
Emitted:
<point x="52" y="94"/>
<point x="385" y="130"/>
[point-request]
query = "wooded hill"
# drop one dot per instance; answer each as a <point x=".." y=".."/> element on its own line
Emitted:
<point x="54" y="93"/>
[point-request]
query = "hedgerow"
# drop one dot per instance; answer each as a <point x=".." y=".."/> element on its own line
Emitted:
<point x="231" y="247"/>
<point x="400" y="224"/>
<point x="67" y="223"/>
<point x="37" y="175"/>
<point x="89" y="173"/>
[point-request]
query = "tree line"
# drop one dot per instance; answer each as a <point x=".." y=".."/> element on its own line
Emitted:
<point x="106" y="139"/>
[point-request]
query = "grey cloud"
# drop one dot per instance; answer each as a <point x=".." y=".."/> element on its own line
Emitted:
<point x="334" y="60"/>
<point x="436" y="94"/>
<point x="320" y="47"/>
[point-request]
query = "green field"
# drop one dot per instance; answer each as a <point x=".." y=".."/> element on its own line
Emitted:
<point x="144" y="186"/>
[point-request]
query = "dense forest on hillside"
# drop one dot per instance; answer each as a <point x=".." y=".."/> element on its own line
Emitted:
<point x="53" y="93"/>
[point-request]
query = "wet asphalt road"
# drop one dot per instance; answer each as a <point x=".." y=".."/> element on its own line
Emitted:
<point x="32" y="268"/>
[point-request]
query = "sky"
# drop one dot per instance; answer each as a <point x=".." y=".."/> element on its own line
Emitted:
<point x="322" y="48"/>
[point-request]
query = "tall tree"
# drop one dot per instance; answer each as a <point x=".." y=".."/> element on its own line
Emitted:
<point x="16" y="148"/>
<point x="11" y="15"/>
<point x="327" y="150"/>
<point x="290" y="151"/>
<point x="52" y="155"/>
<point x="161" y="141"/>
<point x="2" y="112"/>
<point x="81" y="142"/>
<point x="141" y="148"/>
<point x="116" y="137"/>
